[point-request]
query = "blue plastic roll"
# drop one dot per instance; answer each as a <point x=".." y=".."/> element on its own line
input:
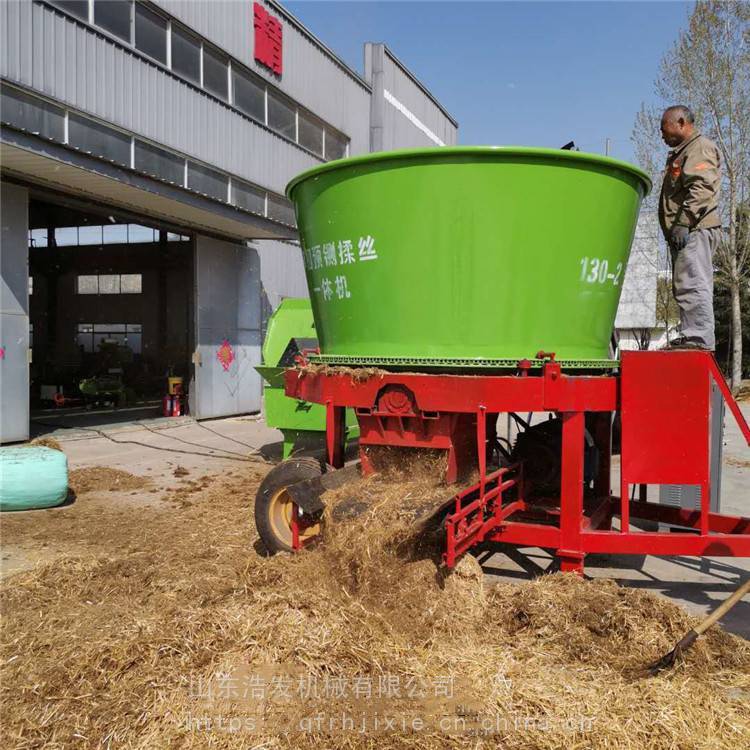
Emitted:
<point x="31" y="477"/>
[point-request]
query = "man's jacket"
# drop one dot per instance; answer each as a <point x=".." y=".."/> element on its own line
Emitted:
<point x="690" y="190"/>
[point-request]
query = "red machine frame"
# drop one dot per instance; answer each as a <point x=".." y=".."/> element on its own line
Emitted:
<point x="665" y="408"/>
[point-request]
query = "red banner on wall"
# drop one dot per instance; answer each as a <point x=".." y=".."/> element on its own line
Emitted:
<point x="268" y="39"/>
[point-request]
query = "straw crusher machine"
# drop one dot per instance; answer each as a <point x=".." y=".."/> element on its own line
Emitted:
<point x="450" y="286"/>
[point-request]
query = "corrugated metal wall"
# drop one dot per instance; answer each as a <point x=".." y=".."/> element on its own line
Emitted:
<point x="401" y="112"/>
<point x="84" y="69"/>
<point x="14" y="314"/>
<point x="68" y="61"/>
<point x="228" y="313"/>
<point x="282" y="272"/>
<point x="311" y="77"/>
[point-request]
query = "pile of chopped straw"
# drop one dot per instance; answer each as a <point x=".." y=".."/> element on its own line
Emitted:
<point x="357" y="374"/>
<point x="47" y="442"/>
<point x="104" y="479"/>
<point x="176" y="632"/>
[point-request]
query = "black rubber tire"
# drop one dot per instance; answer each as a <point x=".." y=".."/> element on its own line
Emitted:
<point x="287" y="473"/>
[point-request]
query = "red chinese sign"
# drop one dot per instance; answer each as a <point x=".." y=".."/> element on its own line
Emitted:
<point x="225" y="355"/>
<point x="268" y="39"/>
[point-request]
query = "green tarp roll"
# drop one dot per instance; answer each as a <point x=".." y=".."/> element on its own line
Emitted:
<point x="32" y="476"/>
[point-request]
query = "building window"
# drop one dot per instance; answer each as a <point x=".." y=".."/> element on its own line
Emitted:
<point x="88" y="235"/>
<point x="98" y="140"/>
<point x="110" y="283"/>
<point x="77" y="8"/>
<point x="138" y="234"/>
<point x="88" y="285"/>
<point x="115" y="234"/>
<point x="159" y="163"/>
<point x="248" y="197"/>
<point x="207" y="181"/>
<point x="85" y="338"/>
<point x="335" y="146"/>
<point x="37" y="238"/>
<point x="31" y="114"/>
<point x="66" y="236"/>
<point x="172" y="237"/>
<point x="131" y="283"/>
<point x="215" y="73"/>
<point x="310" y="134"/>
<point x="280" y="209"/>
<point x="150" y="33"/>
<point x="107" y="234"/>
<point x="114" y="16"/>
<point x="91" y="335"/>
<point x="248" y="96"/>
<point x="31" y="285"/>
<point x="186" y="54"/>
<point x="202" y="64"/>
<point x="281" y="116"/>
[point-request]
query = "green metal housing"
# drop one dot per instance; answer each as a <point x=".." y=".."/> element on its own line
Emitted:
<point x="301" y="422"/>
<point x="467" y="254"/>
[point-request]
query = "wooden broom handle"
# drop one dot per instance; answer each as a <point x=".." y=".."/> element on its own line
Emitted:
<point x="723" y="608"/>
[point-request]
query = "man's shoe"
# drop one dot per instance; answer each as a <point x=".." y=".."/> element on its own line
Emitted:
<point x="673" y="344"/>
<point x="682" y="344"/>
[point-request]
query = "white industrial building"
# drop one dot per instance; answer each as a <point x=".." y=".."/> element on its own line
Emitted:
<point x="637" y="325"/>
<point x="145" y="149"/>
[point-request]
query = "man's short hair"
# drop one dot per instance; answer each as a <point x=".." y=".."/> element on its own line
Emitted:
<point x="680" y="110"/>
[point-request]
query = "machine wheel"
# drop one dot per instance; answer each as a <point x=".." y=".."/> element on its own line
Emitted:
<point x="273" y="506"/>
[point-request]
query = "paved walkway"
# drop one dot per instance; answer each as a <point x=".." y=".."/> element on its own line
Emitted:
<point x="696" y="583"/>
<point x="155" y="447"/>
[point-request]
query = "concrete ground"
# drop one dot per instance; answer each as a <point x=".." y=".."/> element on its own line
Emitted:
<point x="157" y="447"/>
<point x="154" y="448"/>
<point x="696" y="583"/>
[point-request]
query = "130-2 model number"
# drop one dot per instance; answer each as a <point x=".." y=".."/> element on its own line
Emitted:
<point x="596" y="271"/>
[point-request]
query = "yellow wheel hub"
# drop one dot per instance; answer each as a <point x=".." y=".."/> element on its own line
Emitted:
<point x="280" y="511"/>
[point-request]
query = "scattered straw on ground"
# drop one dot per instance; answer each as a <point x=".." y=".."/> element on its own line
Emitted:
<point x="47" y="442"/>
<point x="177" y="633"/>
<point x="104" y="479"/>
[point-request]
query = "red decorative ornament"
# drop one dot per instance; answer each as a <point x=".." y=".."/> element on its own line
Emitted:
<point x="225" y="355"/>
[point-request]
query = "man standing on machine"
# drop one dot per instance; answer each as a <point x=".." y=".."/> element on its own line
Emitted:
<point x="689" y="218"/>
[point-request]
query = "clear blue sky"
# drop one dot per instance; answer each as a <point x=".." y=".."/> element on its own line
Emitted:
<point x="522" y="73"/>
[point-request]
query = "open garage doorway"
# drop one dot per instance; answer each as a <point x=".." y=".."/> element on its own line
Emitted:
<point x="110" y="316"/>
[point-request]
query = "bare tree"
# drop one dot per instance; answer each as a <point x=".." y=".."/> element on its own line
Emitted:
<point x="667" y="313"/>
<point x="642" y="338"/>
<point x="708" y="69"/>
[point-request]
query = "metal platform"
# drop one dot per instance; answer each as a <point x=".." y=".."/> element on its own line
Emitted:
<point x="664" y="401"/>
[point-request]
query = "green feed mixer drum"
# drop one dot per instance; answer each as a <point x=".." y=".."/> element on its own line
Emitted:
<point x="467" y="256"/>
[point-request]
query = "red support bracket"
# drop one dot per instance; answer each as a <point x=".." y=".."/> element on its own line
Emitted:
<point x="729" y="399"/>
<point x="570" y="553"/>
<point x="478" y="511"/>
<point x="335" y="434"/>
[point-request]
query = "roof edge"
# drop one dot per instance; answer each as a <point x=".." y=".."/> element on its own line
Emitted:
<point x="413" y="78"/>
<point x="292" y="19"/>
